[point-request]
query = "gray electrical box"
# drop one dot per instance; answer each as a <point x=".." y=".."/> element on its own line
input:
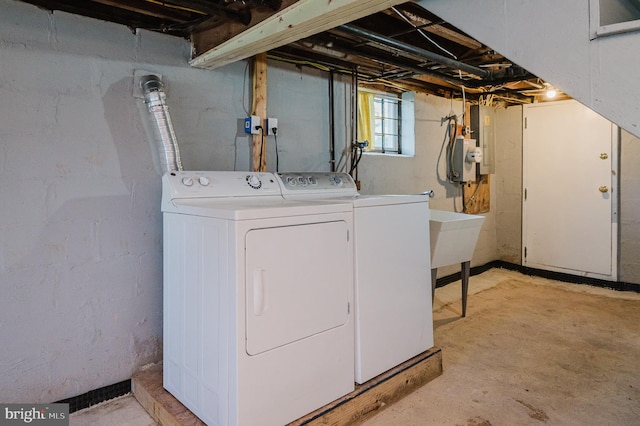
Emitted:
<point x="464" y="160"/>
<point x="483" y="125"/>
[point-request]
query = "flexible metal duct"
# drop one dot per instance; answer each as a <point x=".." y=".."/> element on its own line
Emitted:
<point x="165" y="137"/>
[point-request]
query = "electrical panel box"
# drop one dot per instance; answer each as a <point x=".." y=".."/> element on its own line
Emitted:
<point x="483" y="125"/>
<point x="466" y="156"/>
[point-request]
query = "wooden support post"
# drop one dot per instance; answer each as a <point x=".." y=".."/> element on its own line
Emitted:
<point x="259" y="149"/>
<point x="476" y="194"/>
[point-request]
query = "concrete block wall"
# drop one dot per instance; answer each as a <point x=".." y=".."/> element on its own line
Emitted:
<point x="81" y="246"/>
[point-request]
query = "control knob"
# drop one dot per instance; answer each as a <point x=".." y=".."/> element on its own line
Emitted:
<point x="204" y="181"/>
<point x="254" y="181"/>
<point x="187" y="181"/>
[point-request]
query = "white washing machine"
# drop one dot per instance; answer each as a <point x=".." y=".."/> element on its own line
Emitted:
<point x="258" y="299"/>
<point x="392" y="271"/>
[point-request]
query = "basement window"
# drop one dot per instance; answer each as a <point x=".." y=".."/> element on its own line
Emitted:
<point x="380" y="121"/>
<point x="609" y="17"/>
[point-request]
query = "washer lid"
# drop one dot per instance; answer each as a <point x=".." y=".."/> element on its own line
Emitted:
<point x="384" y="200"/>
<point x="243" y="208"/>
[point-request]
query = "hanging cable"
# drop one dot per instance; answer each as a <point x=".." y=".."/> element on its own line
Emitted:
<point x="423" y="33"/>
<point x="275" y="138"/>
<point x="261" y="148"/>
<point x="358" y="149"/>
<point x="452" y="128"/>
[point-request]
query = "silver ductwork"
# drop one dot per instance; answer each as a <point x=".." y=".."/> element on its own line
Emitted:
<point x="164" y="135"/>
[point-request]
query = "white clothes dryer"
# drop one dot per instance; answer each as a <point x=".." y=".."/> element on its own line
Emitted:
<point x="258" y="299"/>
<point x="392" y="271"/>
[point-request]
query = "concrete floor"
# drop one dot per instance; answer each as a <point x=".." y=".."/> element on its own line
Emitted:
<point x="530" y="351"/>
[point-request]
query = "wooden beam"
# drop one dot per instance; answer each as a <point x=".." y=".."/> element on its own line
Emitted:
<point x="379" y="393"/>
<point x="302" y="19"/>
<point x="205" y="36"/>
<point x="259" y="148"/>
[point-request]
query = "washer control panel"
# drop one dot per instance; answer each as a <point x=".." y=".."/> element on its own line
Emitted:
<point x="339" y="184"/>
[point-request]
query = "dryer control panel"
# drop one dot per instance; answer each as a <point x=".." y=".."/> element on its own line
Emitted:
<point x="316" y="183"/>
<point x="203" y="184"/>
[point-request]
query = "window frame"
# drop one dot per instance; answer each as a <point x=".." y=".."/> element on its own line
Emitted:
<point x="598" y="30"/>
<point x="382" y="99"/>
<point x="385" y="99"/>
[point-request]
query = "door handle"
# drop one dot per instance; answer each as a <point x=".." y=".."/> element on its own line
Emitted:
<point x="259" y="292"/>
<point x="604" y="189"/>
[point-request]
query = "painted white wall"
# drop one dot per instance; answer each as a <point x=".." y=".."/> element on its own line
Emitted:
<point x="299" y="98"/>
<point x="507" y="182"/>
<point x="400" y="174"/>
<point x="81" y="246"/>
<point x="550" y="38"/>
<point x="629" y="228"/>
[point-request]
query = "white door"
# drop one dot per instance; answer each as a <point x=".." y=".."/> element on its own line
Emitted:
<point x="298" y="280"/>
<point x="569" y="178"/>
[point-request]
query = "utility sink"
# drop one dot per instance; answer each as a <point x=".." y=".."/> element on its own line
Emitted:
<point x="453" y="237"/>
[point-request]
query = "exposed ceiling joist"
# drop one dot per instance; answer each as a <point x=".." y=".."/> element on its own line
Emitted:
<point x="385" y="43"/>
<point x="302" y="19"/>
<point x="434" y="27"/>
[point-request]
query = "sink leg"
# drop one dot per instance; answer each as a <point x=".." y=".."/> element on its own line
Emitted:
<point x="466" y="269"/>
<point x="434" y="276"/>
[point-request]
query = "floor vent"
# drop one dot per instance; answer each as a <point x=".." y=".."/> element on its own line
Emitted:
<point x="97" y="396"/>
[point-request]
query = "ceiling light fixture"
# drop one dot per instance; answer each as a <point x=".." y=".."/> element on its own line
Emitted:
<point x="551" y="93"/>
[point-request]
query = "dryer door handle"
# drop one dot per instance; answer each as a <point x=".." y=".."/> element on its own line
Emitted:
<point x="259" y="292"/>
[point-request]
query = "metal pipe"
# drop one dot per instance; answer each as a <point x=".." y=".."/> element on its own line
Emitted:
<point x="386" y="41"/>
<point x="165" y="136"/>
<point x="332" y="125"/>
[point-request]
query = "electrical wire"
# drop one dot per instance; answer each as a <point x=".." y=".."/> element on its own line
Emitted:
<point x="453" y="133"/>
<point x="357" y="156"/>
<point x="472" y="199"/>
<point x="423" y="33"/>
<point x="275" y="137"/>
<point x="174" y="6"/>
<point x="261" y="147"/>
<point x="299" y="62"/>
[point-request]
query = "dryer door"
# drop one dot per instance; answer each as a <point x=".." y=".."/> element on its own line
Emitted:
<point x="297" y="283"/>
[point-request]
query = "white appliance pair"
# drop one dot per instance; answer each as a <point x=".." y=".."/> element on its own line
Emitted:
<point x="259" y="294"/>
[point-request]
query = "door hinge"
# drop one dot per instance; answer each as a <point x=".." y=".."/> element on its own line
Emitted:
<point x="525" y="122"/>
<point x="525" y="252"/>
<point x="525" y="194"/>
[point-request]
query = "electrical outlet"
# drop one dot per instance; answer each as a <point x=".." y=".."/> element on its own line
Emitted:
<point x="252" y="125"/>
<point x="272" y="126"/>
